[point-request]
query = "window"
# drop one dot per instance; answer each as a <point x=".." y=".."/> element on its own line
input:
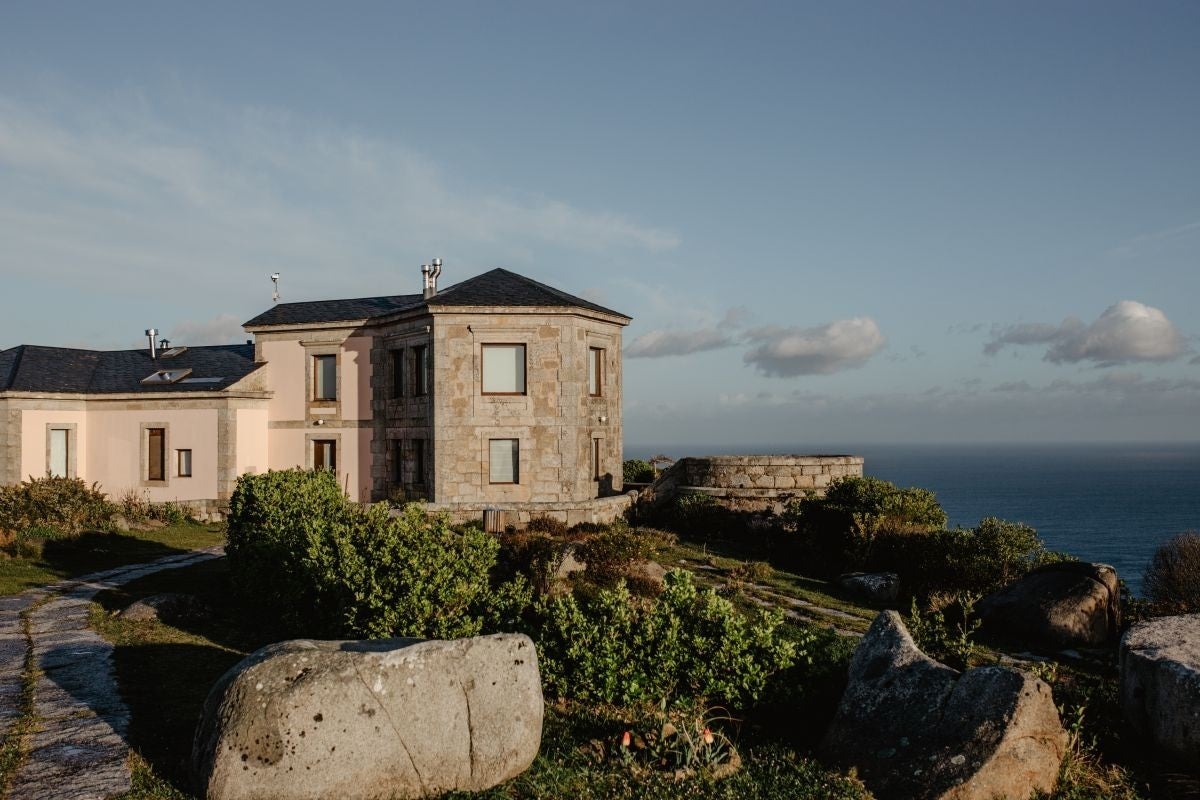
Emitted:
<point x="595" y="371"/>
<point x="596" y="461"/>
<point x="418" y="455"/>
<point x="156" y="460"/>
<point x="397" y="374"/>
<point x="397" y="461"/>
<point x="325" y="377"/>
<point x="504" y="460"/>
<point x="183" y="463"/>
<point x="504" y="369"/>
<point x="325" y="454"/>
<point x="60" y="453"/>
<point x="420" y="370"/>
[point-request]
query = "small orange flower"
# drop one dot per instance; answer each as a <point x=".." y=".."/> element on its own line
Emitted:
<point x="708" y="736"/>
<point x="626" y="738"/>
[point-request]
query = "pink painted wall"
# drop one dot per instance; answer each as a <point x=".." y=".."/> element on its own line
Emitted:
<point x="114" y="451"/>
<point x="252" y="453"/>
<point x="33" y="440"/>
<point x="285" y="376"/>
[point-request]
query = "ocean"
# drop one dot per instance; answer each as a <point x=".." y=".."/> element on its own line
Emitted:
<point x="1111" y="503"/>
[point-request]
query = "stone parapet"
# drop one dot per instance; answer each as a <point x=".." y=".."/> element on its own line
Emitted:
<point x="755" y="482"/>
<point x="518" y="514"/>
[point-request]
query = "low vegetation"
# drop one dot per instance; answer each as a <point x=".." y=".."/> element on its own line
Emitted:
<point x="635" y="470"/>
<point x="1172" y="579"/>
<point x="692" y="683"/>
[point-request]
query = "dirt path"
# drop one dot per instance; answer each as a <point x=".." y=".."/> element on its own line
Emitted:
<point x="72" y="725"/>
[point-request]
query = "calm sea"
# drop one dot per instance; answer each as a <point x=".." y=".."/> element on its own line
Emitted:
<point x="1108" y="503"/>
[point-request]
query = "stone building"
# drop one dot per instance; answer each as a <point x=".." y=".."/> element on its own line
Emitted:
<point x="496" y="392"/>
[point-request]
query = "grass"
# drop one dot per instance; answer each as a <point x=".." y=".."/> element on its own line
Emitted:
<point x="94" y="551"/>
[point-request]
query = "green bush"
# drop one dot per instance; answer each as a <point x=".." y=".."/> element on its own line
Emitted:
<point x="547" y="525"/>
<point x="635" y="470"/>
<point x="685" y="644"/>
<point x="66" y="505"/>
<point x="980" y="559"/>
<point x="326" y="566"/>
<point x="610" y="554"/>
<point x="1172" y="579"/>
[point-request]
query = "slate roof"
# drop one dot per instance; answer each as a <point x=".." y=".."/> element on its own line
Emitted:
<point x="498" y="287"/>
<point x="32" y="368"/>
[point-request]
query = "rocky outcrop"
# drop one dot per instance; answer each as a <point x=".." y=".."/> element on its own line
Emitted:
<point x="917" y="729"/>
<point x="1069" y="604"/>
<point x="170" y="608"/>
<point x="878" y="587"/>
<point x="1160" y="685"/>
<point x="391" y="718"/>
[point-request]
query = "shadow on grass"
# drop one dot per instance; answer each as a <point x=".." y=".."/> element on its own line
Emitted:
<point x="95" y="551"/>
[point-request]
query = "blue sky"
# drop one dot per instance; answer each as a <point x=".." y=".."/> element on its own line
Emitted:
<point x="833" y="224"/>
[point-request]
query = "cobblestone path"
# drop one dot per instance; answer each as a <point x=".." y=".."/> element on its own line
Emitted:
<point x="76" y="748"/>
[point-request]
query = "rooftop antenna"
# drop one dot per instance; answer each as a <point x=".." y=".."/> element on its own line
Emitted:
<point x="275" y="290"/>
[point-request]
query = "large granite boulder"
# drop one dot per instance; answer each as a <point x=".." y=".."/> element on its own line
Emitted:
<point x="1069" y="604"/>
<point x="390" y="718"/>
<point x="1160" y="685"/>
<point x="877" y="587"/>
<point x="169" y="607"/>
<point x="919" y="730"/>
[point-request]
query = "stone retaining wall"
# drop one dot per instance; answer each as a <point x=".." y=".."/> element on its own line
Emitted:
<point x="754" y="482"/>
<point x="597" y="510"/>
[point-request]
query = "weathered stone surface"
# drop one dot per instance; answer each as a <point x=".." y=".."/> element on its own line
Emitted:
<point x="169" y="607"/>
<point x="878" y="587"/>
<point x="918" y="729"/>
<point x="373" y="719"/>
<point x="1160" y="685"/>
<point x="650" y="571"/>
<point x="1071" y="604"/>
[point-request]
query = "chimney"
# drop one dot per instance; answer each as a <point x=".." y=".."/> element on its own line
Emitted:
<point x="429" y="276"/>
<point x="150" y="334"/>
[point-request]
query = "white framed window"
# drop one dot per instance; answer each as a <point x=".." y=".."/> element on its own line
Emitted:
<point x="504" y="369"/>
<point x="325" y="377"/>
<point x="59" y="462"/>
<point x="183" y="463"/>
<point x="595" y="371"/>
<point x="504" y="461"/>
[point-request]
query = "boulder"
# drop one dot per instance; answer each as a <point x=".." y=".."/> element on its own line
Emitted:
<point x="169" y="607"/>
<point x="1160" y="685"/>
<point x="1069" y="604"/>
<point x="878" y="587"/>
<point x="389" y="718"/>
<point x="651" y="572"/>
<point x="915" y="728"/>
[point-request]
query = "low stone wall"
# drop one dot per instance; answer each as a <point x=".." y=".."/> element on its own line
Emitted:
<point x="754" y="482"/>
<point x="597" y="510"/>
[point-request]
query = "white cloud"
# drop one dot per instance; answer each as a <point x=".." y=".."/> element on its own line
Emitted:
<point x="662" y="343"/>
<point x="1126" y="332"/>
<point x="834" y="347"/>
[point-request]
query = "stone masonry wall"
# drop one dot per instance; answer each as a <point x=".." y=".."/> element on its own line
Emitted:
<point x="753" y="482"/>
<point x="555" y="421"/>
<point x="598" y="510"/>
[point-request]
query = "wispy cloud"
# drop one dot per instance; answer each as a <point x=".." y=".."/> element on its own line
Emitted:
<point x="222" y="329"/>
<point x="126" y="191"/>
<point x="822" y="350"/>
<point x="1126" y="332"/>
<point x="1133" y="246"/>
<point x="680" y="342"/>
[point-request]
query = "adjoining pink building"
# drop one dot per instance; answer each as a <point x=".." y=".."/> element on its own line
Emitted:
<point x="498" y="392"/>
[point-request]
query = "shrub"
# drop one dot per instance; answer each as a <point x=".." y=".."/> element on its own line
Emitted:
<point x="685" y="644"/>
<point x="534" y="556"/>
<point x="838" y="532"/>
<point x="1172" y="579"/>
<point x="547" y="525"/>
<point x="133" y="505"/>
<point x="610" y="554"/>
<point x="170" y="513"/>
<point x="66" y="505"/>
<point x="635" y="470"/>
<point x="326" y="566"/>
<point x="946" y="629"/>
